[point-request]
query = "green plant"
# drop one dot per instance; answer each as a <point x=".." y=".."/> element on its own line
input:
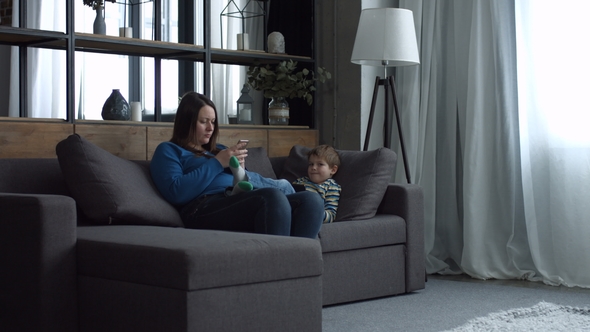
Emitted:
<point x="96" y="3"/>
<point x="282" y="80"/>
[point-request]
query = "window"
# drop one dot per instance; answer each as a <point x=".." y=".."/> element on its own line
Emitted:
<point x="97" y="74"/>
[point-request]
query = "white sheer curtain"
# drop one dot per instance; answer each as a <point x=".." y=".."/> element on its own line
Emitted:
<point x="45" y="84"/>
<point x="224" y="79"/>
<point x="494" y="197"/>
<point x="227" y="80"/>
<point x="555" y="141"/>
<point x="96" y="74"/>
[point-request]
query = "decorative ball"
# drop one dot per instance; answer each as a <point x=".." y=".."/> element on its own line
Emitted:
<point x="276" y="42"/>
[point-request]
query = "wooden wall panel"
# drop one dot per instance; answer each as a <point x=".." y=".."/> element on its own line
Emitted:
<point x="125" y="141"/>
<point x="31" y="140"/>
<point x="155" y="136"/>
<point x="280" y="142"/>
<point x="257" y="137"/>
<point x="28" y="139"/>
<point x="228" y="136"/>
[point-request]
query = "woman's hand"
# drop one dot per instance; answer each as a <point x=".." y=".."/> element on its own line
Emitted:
<point x="224" y="155"/>
<point x="243" y="153"/>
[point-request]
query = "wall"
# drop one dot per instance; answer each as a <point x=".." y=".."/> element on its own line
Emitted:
<point x="5" y="12"/>
<point x="339" y="101"/>
<point x="343" y="104"/>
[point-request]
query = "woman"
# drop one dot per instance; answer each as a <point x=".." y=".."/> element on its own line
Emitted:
<point x="192" y="172"/>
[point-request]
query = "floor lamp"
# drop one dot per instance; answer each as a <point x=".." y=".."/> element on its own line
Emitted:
<point x="386" y="37"/>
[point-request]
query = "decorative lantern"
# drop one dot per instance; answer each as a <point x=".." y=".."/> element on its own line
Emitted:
<point x="252" y="9"/>
<point x="245" y="106"/>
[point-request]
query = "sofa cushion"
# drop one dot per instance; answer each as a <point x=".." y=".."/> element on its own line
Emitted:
<point x="381" y="230"/>
<point x="193" y="259"/>
<point x="363" y="176"/>
<point x="258" y="161"/>
<point x="110" y="189"/>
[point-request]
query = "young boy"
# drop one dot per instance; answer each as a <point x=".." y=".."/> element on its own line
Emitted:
<point x="323" y="164"/>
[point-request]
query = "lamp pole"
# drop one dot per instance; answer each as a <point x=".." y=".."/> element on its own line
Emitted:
<point x="386" y="37"/>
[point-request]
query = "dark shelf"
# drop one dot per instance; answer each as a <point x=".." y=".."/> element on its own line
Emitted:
<point x="138" y="47"/>
<point x="247" y="58"/>
<point x="32" y="37"/>
<point x="88" y="42"/>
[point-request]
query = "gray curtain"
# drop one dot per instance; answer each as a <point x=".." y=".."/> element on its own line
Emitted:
<point x="487" y="213"/>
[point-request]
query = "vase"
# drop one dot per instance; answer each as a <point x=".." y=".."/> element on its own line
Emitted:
<point x="99" y="27"/>
<point x="278" y="111"/>
<point x="116" y="107"/>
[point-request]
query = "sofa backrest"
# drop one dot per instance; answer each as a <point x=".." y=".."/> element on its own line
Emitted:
<point x="44" y="176"/>
<point x="278" y="164"/>
<point x="258" y="161"/>
<point x="362" y="175"/>
<point x="32" y="176"/>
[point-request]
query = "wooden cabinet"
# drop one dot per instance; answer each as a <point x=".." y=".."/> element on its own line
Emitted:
<point x="25" y="138"/>
<point x="30" y="139"/>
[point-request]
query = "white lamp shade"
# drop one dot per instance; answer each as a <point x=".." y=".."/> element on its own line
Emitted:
<point x="386" y="37"/>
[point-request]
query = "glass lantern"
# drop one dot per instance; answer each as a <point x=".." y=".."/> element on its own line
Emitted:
<point x="245" y="106"/>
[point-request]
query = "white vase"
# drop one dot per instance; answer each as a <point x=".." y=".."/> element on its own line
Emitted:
<point x="99" y="27"/>
<point x="278" y="111"/>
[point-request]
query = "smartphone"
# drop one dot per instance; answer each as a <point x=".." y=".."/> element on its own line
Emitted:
<point x="242" y="141"/>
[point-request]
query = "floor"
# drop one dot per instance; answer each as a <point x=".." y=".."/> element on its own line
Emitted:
<point x="511" y="282"/>
<point x="446" y="302"/>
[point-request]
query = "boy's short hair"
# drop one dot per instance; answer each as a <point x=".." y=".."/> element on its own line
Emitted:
<point x="327" y="153"/>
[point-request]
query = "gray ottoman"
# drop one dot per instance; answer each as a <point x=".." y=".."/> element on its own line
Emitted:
<point x="146" y="278"/>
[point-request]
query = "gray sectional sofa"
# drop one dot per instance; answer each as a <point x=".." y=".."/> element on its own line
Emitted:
<point x="89" y="245"/>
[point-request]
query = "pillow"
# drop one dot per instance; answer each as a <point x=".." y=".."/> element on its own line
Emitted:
<point x="296" y="163"/>
<point x="363" y="176"/>
<point x="257" y="161"/>
<point x="110" y="189"/>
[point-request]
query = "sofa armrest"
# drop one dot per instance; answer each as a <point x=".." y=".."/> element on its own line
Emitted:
<point x="407" y="201"/>
<point x="38" y="280"/>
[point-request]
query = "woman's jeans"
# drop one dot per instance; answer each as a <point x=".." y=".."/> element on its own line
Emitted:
<point x="265" y="211"/>
<point x="259" y="181"/>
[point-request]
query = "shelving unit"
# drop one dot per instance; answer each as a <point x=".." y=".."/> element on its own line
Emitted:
<point x="72" y="42"/>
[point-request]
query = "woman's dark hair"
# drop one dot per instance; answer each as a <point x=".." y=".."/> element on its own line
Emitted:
<point x="185" y="123"/>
